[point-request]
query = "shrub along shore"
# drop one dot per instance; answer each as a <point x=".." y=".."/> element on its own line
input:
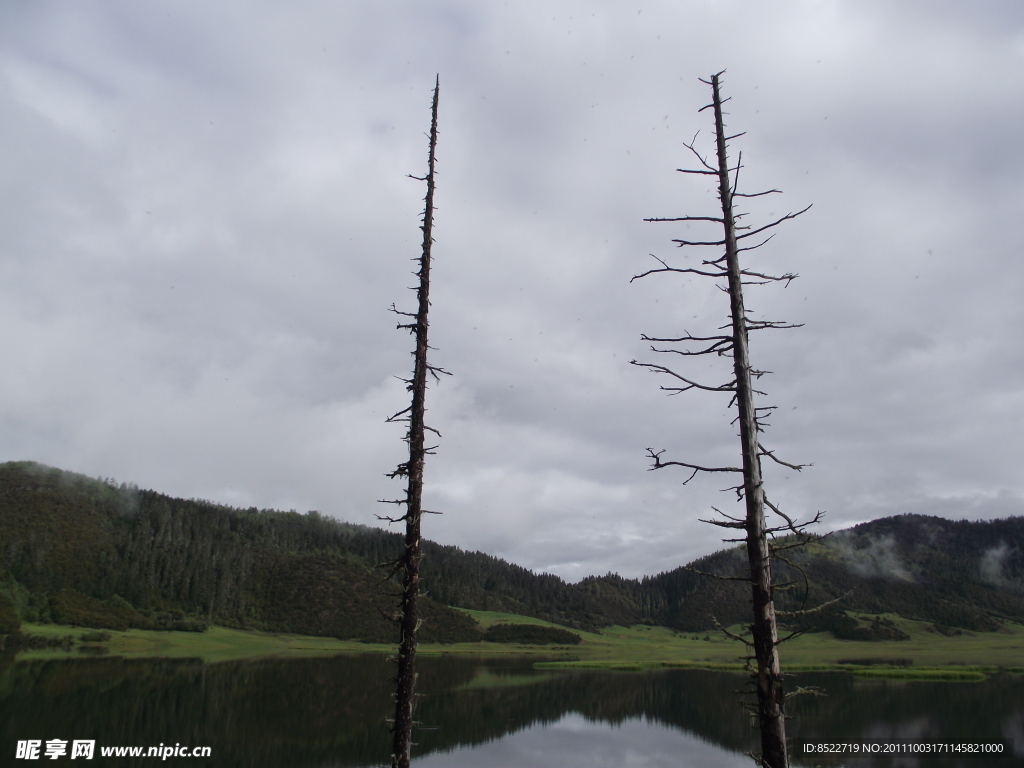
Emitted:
<point x="927" y="655"/>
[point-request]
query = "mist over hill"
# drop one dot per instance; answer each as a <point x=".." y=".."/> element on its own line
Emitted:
<point x="79" y="550"/>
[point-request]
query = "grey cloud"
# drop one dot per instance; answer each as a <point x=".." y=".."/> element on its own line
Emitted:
<point x="205" y="215"/>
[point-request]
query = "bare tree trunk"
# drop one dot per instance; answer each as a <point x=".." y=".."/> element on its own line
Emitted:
<point x="409" y="563"/>
<point x="770" y="696"/>
<point x="764" y="638"/>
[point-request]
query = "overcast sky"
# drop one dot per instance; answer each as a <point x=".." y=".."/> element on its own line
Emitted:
<point x="205" y="214"/>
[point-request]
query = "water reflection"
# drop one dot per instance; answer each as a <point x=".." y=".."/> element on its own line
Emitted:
<point x="330" y="712"/>
<point x="575" y="741"/>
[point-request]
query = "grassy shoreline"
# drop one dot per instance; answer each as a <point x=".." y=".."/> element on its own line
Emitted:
<point x="927" y="655"/>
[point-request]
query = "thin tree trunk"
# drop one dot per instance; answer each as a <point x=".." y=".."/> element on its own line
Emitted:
<point x="410" y="564"/>
<point x="770" y="696"/>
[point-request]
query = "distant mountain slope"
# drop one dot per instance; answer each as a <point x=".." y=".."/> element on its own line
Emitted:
<point x="159" y="556"/>
<point x="66" y="539"/>
<point x="952" y="573"/>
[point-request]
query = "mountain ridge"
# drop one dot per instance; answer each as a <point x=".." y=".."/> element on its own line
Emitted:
<point x="174" y="560"/>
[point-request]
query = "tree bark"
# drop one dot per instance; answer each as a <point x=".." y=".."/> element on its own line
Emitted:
<point x="410" y="562"/>
<point x="770" y="696"/>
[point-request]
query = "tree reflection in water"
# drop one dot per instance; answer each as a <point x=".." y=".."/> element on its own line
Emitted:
<point x="330" y="711"/>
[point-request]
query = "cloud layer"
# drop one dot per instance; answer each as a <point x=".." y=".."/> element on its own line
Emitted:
<point x="204" y="215"/>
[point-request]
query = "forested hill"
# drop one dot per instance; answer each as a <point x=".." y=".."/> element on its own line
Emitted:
<point x="72" y="548"/>
<point x="65" y="535"/>
<point x="954" y="574"/>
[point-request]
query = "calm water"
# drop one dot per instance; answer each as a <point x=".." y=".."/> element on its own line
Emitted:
<point x="330" y="712"/>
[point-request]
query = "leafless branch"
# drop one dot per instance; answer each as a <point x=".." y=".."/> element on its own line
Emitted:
<point x="397" y="311"/>
<point x="757" y="194"/>
<point x="434" y="371"/>
<point x="716" y="576"/>
<point x="774" y="547"/>
<point x="760" y="325"/>
<point x="724" y="523"/>
<point x="774" y="223"/>
<point x="687" y="337"/>
<point x="681" y="243"/>
<point x="806" y="690"/>
<point x="666" y="268"/>
<point x="730" y="387"/>
<point x="728" y="516"/>
<point x="658" y="464"/>
<point x="703" y="161"/>
<point x="719" y="348"/>
<point x="727" y="633"/>
<point x="791" y="636"/>
<point x="395" y="417"/>
<point x="815" y="609"/>
<point x="384" y="518"/>
<point x="689" y="218"/>
<point x="786" y="278"/>
<point x="754" y="247"/>
<point x="771" y="455"/>
<point x="791" y="525"/>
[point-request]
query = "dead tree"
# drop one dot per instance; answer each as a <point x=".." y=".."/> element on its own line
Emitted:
<point x="732" y="340"/>
<point x="408" y="564"/>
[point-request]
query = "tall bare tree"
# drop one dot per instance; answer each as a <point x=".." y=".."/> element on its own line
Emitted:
<point x="408" y="565"/>
<point x="759" y="536"/>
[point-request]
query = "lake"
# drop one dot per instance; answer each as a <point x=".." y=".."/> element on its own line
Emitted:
<point x="492" y="713"/>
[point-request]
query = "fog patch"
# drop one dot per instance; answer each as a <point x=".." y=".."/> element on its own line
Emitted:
<point x="877" y="558"/>
<point x="992" y="567"/>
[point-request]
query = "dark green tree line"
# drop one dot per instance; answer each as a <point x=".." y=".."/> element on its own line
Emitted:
<point x="234" y="567"/>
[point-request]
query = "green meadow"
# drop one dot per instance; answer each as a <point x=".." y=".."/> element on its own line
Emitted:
<point x="926" y="655"/>
<point x="213" y="645"/>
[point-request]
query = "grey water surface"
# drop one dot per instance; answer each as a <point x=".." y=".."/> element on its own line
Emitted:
<point x="490" y="713"/>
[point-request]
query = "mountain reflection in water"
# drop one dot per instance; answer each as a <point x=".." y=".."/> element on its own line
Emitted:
<point x="330" y="712"/>
<point x="576" y="741"/>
